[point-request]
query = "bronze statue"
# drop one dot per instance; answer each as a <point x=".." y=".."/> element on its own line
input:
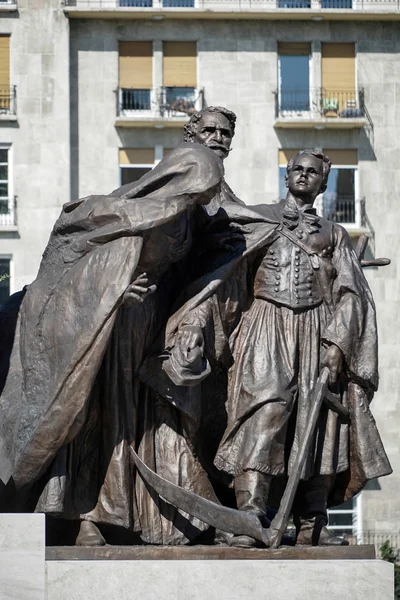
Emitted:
<point x="72" y="403"/>
<point x="189" y="339"/>
<point x="296" y="302"/>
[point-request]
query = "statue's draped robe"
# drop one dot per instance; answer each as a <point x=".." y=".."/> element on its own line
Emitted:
<point x="70" y="406"/>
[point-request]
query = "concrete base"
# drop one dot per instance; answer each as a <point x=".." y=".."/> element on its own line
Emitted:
<point x="27" y="573"/>
<point x="220" y="580"/>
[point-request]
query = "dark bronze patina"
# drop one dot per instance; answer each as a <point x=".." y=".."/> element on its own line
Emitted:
<point x="176" y="333"/>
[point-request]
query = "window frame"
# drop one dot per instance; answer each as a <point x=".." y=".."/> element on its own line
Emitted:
<point x="303" y="113"/>
<point x="9" y="257"/>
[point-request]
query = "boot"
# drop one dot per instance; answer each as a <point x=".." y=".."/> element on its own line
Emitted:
<point x="313" y="532"/>
<point x="251" y="490"/>
<point x="89" y="535"/>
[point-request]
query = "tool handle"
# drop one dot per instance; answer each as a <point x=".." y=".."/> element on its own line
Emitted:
<point x="279" y="523"/>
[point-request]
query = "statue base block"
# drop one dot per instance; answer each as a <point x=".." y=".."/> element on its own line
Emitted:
<point x="29" y="571"/>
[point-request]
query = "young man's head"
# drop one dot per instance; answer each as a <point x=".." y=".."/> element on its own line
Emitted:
<point x="307" y="174"/>
<point x="214" y="127"/>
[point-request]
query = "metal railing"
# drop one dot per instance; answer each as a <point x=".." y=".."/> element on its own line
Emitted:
<point x="345" y="210"/>
<point x="160" y="102"/>
<point x="320" y="102"/>
<point x="8" y="100"/>
<point x="377" y="539"/>
<point x="8" y="212"/>
<point x="239" y="5"/>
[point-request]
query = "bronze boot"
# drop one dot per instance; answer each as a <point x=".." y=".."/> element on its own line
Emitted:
<point x="313" y="532"/>
<point x="89" y="535"/>
<point x="251" y="490"/>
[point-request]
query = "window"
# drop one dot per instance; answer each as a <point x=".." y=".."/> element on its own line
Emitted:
<point x="5" y="95"/>
<point x="179" y="77"/>
<point x="134" y="163"/>
<point x="339" y="80"/>
<point x="4" y="279"/>
<point x="294" y="76"/>
<point x="340" y="202"/>
<point x="340" y="197"/>
<point x="342" y="518"/>
<point x="135" y="75"/>
<point x="7" y="204"/>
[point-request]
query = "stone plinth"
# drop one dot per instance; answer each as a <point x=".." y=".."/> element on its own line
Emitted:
<point x="22" y="557"/>
<point x="29" y="572"/>
<point x="220" y="580"/>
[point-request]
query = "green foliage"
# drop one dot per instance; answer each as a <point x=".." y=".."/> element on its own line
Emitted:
<point x="391" y="555"/>
<point x="5" y="276"/>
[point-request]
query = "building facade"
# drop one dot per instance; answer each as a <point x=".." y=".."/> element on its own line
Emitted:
<point x="93" y="93"/>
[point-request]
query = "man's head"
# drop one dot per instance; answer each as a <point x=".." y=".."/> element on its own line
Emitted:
<point x="307" y="174"/>
<point x="213" y="127"/>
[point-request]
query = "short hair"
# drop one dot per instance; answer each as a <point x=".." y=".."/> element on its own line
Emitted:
<point x="192" y="126"/>
<point x="317" y="152"/>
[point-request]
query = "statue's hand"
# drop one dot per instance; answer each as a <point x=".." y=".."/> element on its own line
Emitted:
<point x="333" y="359"/>
<point x="190" y="339"/>
<point x="138" y="290"/>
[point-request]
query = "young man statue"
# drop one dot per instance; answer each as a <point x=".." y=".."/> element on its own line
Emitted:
<point x="299" y="301"/>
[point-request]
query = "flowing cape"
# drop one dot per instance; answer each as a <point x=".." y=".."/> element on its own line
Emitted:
<point x="68" y="312"/>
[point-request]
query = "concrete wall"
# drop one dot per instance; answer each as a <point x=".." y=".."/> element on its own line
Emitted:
<point x="40" y="137"/>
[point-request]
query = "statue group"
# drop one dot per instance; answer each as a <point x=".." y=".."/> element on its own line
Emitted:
<point x="184" y="365"/>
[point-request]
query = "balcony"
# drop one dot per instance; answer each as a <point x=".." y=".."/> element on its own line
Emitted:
<point x="321" y="109"/>
<point x="8" y="214"/>
<point x="160" y="107"/>
<point x="249" y="9"/>
<point x="8" y="103"/>
<point x="345" y="210"/>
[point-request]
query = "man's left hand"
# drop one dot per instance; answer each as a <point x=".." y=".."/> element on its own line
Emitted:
<point x="333" y="359"/>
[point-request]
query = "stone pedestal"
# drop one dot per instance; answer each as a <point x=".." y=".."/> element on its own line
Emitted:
<point x="22" y="557"/>
<point x="28" y="572"/>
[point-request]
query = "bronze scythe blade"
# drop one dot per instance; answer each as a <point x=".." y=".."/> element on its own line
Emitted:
<point x="222" y="517"/>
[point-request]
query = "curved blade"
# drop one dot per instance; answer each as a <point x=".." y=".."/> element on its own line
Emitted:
<point x="216" y="515"/>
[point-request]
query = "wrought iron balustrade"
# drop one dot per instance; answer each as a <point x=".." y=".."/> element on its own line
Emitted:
<point x="8" y="212"/>
<point x="134" y="99"/>
<point x="320" y="102"/>
<point x="8" y="100"/>
<point x="346" y="210"/>
<point x="160" y="102"/>
<point x="236" y="5"/>
<point x="337" y="4"/>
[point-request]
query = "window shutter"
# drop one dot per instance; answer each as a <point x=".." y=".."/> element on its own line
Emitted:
<point x="338" y="67"/>
<point x="342" y="157"/>
<point x="136" y="65"/>
<point x="294" y="48"/>
<point x="136" y="156"/>
<point x="179" y="64"/>
<point x="4" y="61"/>
<point x="285" y="155"/>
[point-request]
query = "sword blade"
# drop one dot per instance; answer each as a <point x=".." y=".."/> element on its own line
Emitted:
<point x="216" y="515"/>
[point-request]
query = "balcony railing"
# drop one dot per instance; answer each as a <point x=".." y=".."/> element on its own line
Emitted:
<point x="346" y="210"/>
<point x="380" y="6"/>
<point x="8" y="100"/>
<point x="320" y="103"/>
<point x="160" y="102"/>
<point x="8" y="212"/>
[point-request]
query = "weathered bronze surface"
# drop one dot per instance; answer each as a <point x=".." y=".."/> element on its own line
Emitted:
<point x="173" y="325"/>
